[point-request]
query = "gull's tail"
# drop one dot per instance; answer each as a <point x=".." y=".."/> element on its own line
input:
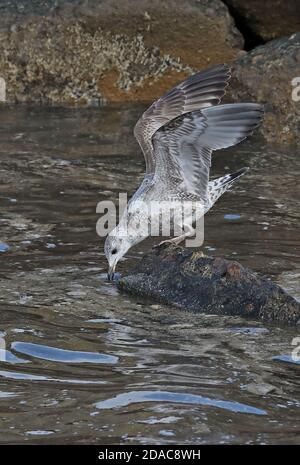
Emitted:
<point x="217" y="187"/>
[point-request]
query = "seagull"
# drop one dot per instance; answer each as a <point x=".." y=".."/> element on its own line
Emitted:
<point x="177" y="135"/>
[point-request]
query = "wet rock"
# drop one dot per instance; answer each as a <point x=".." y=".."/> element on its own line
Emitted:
<point x="86" y="52"/>
<point x="266" y="20"/>
<point x="266" y="75"/>
<point x="186" y="279"/>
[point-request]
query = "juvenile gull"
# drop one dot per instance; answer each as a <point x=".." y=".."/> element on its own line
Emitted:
<point x="177" y="135"/>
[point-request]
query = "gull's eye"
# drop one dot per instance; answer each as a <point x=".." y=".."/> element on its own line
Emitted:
<point x="114" y="251"/>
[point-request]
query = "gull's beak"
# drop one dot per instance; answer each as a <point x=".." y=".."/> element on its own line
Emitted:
<point x="111" y="272"/>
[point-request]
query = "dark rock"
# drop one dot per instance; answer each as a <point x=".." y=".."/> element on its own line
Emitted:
<point x="81" y="52"/>
<point x="265" y="75"/>
<point x="186" y="279"/>
<point x="266" y="19"/>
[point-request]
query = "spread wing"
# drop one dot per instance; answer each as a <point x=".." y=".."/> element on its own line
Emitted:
<point x="183" y="147"/>
<point x="201" y="90"/>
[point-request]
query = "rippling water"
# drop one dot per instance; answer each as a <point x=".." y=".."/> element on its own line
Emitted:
<point x="82" y="363"/>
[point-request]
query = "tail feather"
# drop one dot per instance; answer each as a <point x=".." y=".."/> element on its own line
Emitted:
<point x="217" y="187"/>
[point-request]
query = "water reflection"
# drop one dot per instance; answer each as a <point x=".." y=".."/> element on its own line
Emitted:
<point x="287" y="359"/>
<point x="31" y="377"/>
<point x="61" y="355"/>
<point x="122" y="400"/>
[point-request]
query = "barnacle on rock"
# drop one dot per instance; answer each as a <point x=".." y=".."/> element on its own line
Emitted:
<point x="74" y="52"/>
<point x="65" y="67"/>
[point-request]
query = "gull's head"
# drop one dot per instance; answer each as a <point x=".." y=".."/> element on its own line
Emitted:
<point x="115" y="248"/>
<point x="132" y="229"/>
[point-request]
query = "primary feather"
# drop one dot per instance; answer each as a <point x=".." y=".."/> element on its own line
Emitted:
<point x="185" y="144"/>
<point x="201" y="90"/>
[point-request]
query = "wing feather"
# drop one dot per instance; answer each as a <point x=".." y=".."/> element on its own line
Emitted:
<point x="201" y="90"/>
<point x="184" y="146"/>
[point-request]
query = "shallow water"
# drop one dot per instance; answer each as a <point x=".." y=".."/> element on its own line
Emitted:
<point x="82" y="363"/>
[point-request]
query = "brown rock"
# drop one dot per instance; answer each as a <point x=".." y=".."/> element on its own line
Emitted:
<point x="85" y="52"/>
<point x="265" y="75"/>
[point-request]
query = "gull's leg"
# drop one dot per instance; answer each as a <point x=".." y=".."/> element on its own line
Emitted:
<point x="178" y="239"/>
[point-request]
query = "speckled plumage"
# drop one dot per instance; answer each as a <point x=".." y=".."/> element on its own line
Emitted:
<point x="177" y="135"/>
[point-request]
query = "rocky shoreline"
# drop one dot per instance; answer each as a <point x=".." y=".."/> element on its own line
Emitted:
<point x="86" y="53"/>
<point x="80" y="53"/>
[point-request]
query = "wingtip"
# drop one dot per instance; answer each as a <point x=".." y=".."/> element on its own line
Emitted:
<point x="245" y="169"/>
<point x="227" y="68"/>
<point x="240" y="172"/>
